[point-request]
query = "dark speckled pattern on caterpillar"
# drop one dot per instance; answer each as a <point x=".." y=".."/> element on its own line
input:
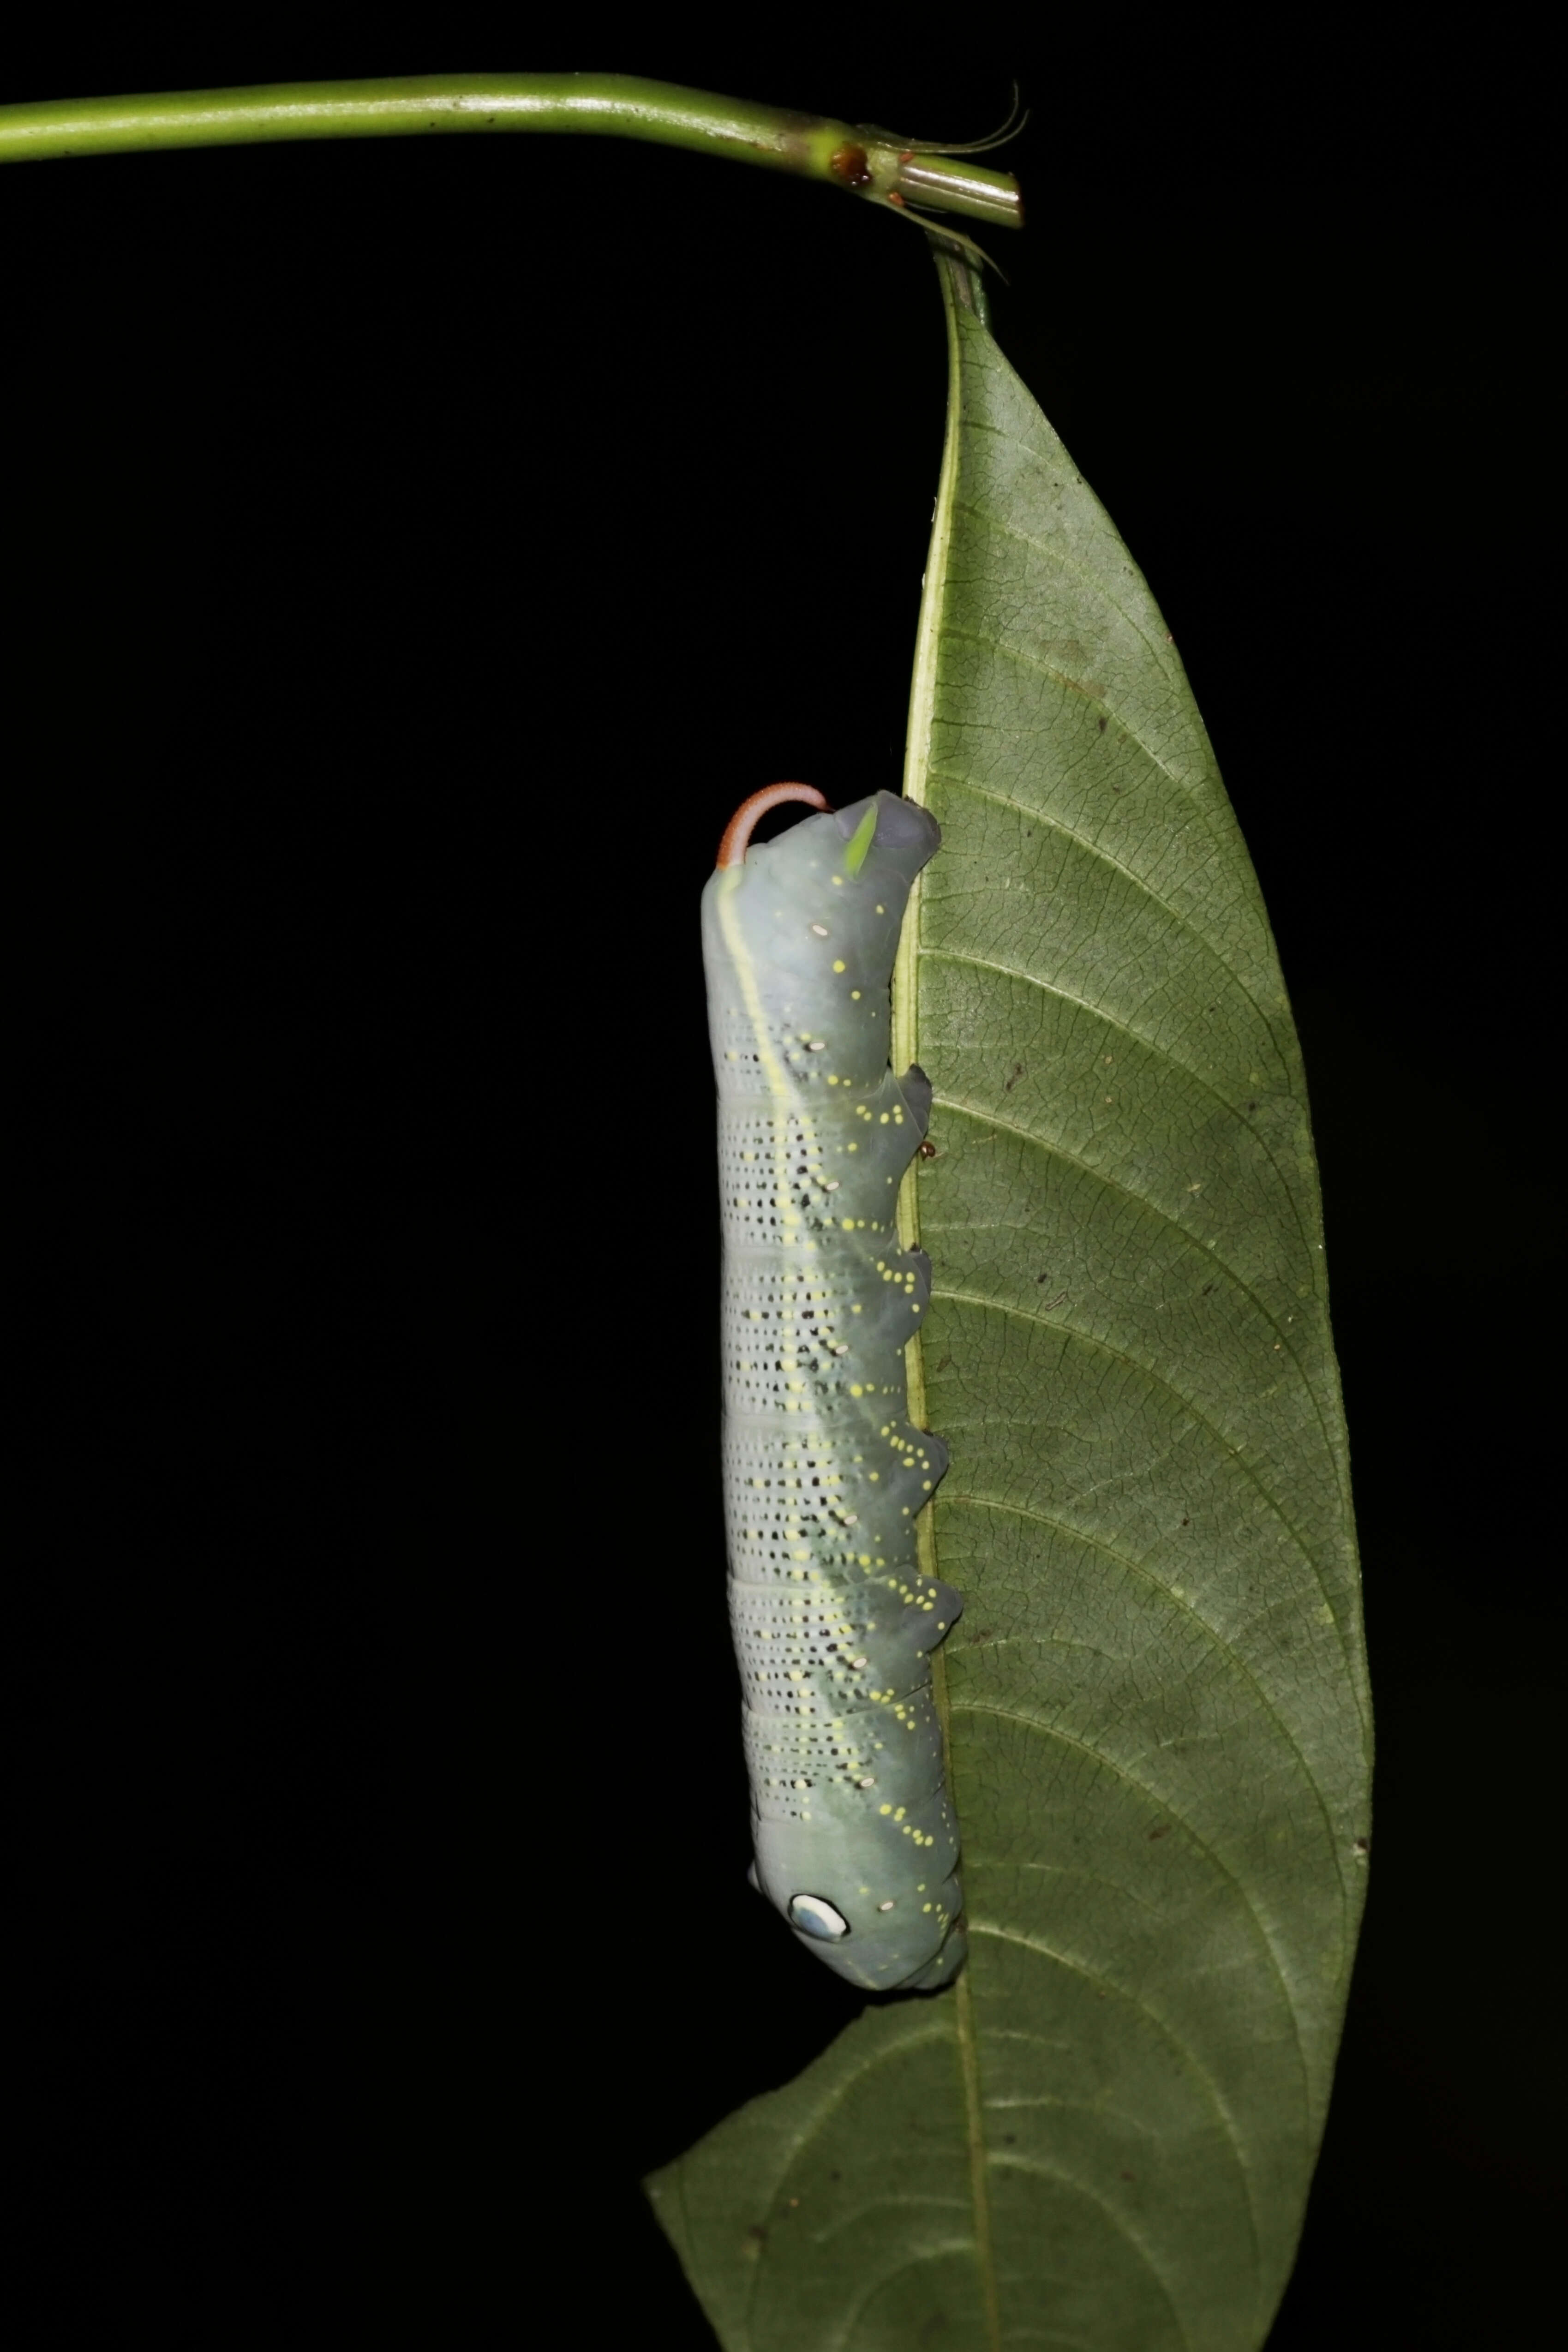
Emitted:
<point x="856" y="1839"/>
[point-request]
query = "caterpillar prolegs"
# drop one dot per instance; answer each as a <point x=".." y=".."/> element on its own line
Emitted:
<point x="856" y="1839"/>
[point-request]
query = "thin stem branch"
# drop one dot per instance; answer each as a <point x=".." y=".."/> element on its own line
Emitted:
<point x="868" y="163"/>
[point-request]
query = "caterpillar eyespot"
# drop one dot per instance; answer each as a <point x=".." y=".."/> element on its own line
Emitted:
<point x="816" y="1917"/>
<point x="855" y="1837"/>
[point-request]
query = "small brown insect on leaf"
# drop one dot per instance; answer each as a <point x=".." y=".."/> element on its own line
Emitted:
<point x="1163" y="1830"/>
<point x="928" y="1150"/>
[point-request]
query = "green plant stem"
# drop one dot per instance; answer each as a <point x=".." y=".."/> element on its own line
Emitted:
<point x="868" y="163"/>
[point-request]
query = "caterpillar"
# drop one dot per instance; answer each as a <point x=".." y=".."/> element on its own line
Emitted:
<point x="855" y="1834"/>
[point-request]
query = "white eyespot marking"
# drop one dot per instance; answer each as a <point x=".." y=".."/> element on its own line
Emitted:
<point x="821" y="929"/>
<point x="884" y="1906"/>
<point x="814" y="1917"/>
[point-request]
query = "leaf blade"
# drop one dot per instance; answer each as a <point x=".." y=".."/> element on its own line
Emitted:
<point x="1158" y="1714"/>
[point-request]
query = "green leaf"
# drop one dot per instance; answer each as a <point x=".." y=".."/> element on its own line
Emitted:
<point x="1102" y="2135"/>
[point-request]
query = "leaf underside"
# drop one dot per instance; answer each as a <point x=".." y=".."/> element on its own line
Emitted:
<point x="1158" y="1716"/>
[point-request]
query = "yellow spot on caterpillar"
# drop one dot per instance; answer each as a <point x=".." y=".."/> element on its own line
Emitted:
<point x="884" y="1808"/>
<point x="855" y="995"/>
<point x="839" y="966"/>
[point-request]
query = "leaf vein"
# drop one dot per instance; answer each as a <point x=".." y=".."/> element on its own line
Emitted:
<point x="1118" y="2221"/>
<point x="1098" y="1755"/>
<point x="1188" y="2056"/>
<point x="989" y="520"/>
<point x="1136" y="1568"/>
<point x="1232" y="1452"/>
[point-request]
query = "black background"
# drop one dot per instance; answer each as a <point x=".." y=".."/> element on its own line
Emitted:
<point x="414" y="550"/>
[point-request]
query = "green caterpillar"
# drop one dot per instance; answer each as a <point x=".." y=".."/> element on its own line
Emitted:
<point x="856" y="1839"/>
